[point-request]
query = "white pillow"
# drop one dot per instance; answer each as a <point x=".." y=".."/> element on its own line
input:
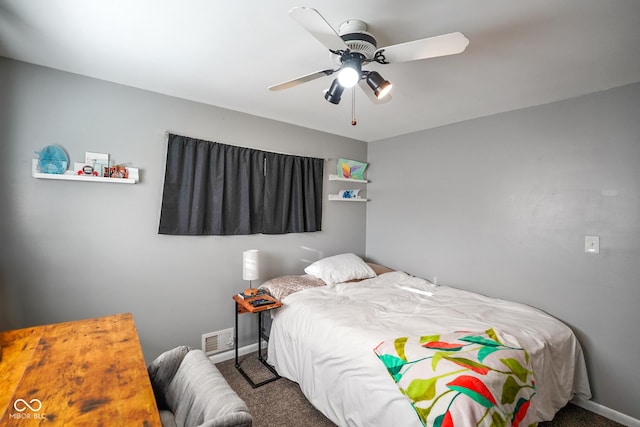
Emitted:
<point x="340" y="268"/>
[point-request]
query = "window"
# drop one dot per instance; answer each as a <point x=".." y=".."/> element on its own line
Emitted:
<point x="218" y="189"/>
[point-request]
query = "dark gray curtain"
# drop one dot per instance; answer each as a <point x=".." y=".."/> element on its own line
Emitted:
<point x="218" y="189"/>
<point x="211" y="188"/>
<point x="293" y="194"/>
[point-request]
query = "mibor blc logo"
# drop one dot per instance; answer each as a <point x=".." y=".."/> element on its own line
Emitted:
<point x="27" y="410"/>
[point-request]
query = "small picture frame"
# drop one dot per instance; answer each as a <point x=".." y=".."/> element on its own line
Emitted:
<point x="351" y="169"/>
<point x="99" y="161"/>
<point x="117" y="171"/>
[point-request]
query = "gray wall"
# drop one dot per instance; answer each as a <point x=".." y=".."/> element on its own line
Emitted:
<point x="74" y="250"/>
<point x="501" y="206"/>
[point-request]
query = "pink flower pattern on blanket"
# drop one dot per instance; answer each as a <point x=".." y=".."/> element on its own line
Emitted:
<point x="464" y="378"/>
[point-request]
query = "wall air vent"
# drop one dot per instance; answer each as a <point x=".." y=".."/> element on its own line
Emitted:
<point x="217" y="342"/>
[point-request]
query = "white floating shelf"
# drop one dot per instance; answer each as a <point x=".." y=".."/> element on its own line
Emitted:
<point x="337" y="198"/>
<point x="339" y="178"/>
<point x="73" y="176"/>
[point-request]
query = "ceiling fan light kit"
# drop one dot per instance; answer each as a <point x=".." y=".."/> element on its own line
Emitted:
<point x="334" y="93"/>
<point x="351" y="69"/>
<point x="353" y="48"/>
<point x="378" y="84"/>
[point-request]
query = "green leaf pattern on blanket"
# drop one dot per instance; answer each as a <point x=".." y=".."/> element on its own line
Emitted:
<point x="516" y="368"/>
<point x="449" y="377"/>
<point x="399" y="344"/>
<point x="422" y="389"/>
<point x="394" y="365"/>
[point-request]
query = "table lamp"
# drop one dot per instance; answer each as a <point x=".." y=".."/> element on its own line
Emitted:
<point x="250" y="269"/>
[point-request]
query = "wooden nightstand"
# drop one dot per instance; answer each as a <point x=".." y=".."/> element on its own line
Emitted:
<point x="244" y="305"/>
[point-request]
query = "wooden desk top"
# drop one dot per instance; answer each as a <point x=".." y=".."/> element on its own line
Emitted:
<point x="88" y="372"/>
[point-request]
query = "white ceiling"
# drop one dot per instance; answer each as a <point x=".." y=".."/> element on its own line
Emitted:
<point x="226" y="53"/>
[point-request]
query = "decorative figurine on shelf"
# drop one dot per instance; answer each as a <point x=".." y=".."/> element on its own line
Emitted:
<point x="52" y="159"/>
<point x="349" y="194"/>
<point x="87" y="170"/>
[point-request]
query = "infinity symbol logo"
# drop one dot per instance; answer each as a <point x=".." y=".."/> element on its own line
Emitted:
<point x="37" y="405"/>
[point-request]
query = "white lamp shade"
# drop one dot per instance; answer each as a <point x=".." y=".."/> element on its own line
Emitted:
<point x="250" y="265"/>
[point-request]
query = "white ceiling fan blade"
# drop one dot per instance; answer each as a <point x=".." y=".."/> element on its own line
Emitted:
<point x="367" y="91"/>
<point x="311" y="20"/>
<point x="446" y="44"/>
<point x="302" y="79"/>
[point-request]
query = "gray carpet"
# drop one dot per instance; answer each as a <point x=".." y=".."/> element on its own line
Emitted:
<point x="282" y="404"/>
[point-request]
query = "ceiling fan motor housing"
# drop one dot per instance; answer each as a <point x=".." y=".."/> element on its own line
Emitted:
<point x="357" y="39"/>
<point x="363" y="43"/>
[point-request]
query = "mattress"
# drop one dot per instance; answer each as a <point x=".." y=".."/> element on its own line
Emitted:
<point x="324" y="337"/>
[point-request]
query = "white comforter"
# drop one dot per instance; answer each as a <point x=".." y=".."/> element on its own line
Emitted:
<point x="323" y="339"/>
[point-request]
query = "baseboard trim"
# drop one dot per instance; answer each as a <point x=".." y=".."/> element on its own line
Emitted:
<point x="606" y="412"/>
<point x="228" y="355"/>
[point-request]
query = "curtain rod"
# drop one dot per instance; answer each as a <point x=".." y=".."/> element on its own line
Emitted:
<point x="167" y="132"/>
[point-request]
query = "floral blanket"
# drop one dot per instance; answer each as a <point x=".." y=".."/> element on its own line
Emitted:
<point x="463" y="378"/>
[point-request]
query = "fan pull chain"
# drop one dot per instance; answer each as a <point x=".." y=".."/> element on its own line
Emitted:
<point x="353" y="107"/>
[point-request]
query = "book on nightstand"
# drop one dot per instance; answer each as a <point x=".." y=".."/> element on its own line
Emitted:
<point x="258" y="294"/>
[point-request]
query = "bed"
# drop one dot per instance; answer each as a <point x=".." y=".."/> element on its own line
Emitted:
<point x="358" y="343"/>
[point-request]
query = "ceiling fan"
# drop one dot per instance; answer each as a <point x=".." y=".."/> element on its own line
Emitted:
<point x="353" y="47"/>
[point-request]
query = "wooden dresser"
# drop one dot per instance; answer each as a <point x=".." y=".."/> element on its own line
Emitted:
<point x="87" y="372"/>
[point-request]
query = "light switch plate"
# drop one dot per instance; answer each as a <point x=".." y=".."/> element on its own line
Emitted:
<point x="592" y="244"/>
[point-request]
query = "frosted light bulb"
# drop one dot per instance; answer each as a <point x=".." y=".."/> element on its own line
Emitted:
<point x="348" y="77"/>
